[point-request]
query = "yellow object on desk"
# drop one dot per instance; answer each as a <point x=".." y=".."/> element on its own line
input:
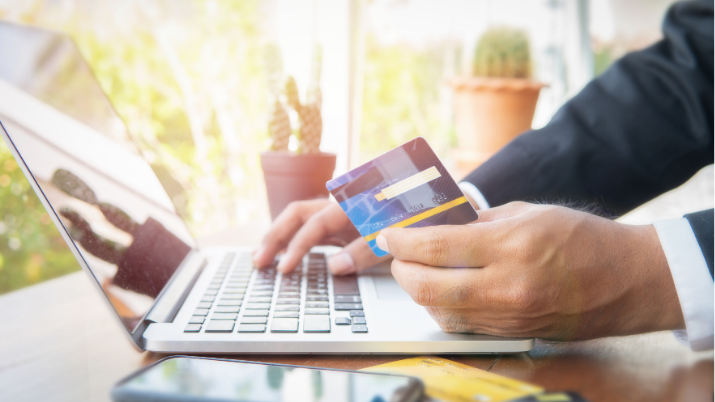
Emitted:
<point x="450" y="381"/>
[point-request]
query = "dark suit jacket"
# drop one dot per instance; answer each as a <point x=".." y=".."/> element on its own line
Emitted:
<point x="642" y="128"/>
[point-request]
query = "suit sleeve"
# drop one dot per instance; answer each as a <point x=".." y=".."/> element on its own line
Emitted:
<point x="702" y="225"/>
<point x="643" y="127"/>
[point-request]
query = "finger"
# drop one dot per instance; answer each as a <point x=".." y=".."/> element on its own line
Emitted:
<point x="284" y="228"/>
<point x="505" y="211"/>
<point x="439" y="287"/>
<point x="323" y="224"/>
<point x="443" y="246"/>
<point x="354" y="257"/>
<point x="488" y="322"/>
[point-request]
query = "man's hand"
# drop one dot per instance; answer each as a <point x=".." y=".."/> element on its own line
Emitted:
<point x="304" y="224"/>
<point x="537" y="271"/>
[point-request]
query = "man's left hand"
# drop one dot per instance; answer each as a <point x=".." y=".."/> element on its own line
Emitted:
<point x="525" y="270"/>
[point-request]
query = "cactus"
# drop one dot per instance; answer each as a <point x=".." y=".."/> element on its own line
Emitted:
<point x="279" y="127"/>
<point x="310" y="119"/>
<point x="503" y="52"/>
<point x="311" y="128"/>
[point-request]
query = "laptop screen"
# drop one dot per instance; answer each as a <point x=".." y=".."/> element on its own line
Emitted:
<point x="106" y="196"/>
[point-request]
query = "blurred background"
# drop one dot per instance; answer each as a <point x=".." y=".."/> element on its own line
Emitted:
<point x="186" y="85"/>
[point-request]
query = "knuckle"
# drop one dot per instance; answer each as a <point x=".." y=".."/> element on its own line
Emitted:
<point x="423" y="294"/>
<point x="436" y="247"/>
<point x="520" y="298"/>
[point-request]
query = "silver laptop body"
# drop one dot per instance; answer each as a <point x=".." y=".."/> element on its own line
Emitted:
<point x="173" y="297"/>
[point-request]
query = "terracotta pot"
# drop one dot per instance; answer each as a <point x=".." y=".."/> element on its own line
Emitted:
<point x="290" y="177"/>
<point x="489" y="113"/>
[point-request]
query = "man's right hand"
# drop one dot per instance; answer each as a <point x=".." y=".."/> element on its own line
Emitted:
<point x="304" y="224"/>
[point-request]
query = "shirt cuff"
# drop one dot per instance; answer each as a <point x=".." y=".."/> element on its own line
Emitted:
<point x="472" y="191"/>
<point x="692" y="280"/>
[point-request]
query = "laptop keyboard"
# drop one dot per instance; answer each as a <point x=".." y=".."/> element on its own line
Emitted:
<point x="230" y="305"/>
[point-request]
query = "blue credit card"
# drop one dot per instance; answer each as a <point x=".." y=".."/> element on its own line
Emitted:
<point x="405" y="187"/>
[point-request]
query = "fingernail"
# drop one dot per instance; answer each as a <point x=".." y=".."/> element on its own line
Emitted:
<point x="382" y="243"/>
<point x="258" y="254"/>
<point x="341" y="264"/>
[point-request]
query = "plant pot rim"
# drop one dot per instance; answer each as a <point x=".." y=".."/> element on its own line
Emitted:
<point x="495" y="84"/>
<point x="288" y="154"/>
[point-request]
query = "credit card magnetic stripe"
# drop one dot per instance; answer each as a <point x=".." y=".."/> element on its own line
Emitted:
<point x="424" y="215"/>
<point x="408" y="184"/>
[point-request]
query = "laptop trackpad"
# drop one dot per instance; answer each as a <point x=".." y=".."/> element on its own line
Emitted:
<point x="387" y="288"/>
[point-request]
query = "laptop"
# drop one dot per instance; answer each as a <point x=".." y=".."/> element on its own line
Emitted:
<point x="169" y="295"/>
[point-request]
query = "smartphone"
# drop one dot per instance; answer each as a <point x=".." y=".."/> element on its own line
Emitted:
<point x="184" y="378"/>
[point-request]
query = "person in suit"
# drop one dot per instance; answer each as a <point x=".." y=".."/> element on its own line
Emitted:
<point x="538" y="270"/>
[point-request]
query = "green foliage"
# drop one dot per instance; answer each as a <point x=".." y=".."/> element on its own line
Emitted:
<point x="503" y="52"/>
<point x="188" y="79"/>
<point x="31" y="248"/>
<point x="402" y="98"/>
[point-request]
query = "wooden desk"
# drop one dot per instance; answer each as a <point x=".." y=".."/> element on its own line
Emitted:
<point x="58" y="342"/>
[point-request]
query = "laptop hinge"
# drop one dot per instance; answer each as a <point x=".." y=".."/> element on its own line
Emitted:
<point x="172" y="297"/>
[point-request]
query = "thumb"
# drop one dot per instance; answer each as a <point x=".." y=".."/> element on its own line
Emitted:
<point x="354" y="257"/>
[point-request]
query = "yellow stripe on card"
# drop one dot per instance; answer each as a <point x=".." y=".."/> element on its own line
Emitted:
<point x="408" y="184"/>
<point x="424" y="215"/>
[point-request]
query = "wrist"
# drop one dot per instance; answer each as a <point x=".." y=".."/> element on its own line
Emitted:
<point x="654" y="298"/>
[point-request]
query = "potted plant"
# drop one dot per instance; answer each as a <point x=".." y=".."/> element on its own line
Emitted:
<point x="497" y="102"/>
<point x="300" y="175"/>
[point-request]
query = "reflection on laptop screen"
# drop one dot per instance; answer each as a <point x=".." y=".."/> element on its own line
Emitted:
<point x="107" y="197"/>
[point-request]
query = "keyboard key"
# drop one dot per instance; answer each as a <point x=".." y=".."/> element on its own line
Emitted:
<point x="219" y="326"/>
<point x="284" y="325"/>
<point x="255" y="313"/>
<point x="197" y="319"/>
<point x="288" y="301"/>
<point x="317" y="305"/>
<point x="213" y="286"/>
<point x="193" y="328"/>
<point x="357" y="313"/>
<point x="359" y="320"/>
<point x="201" y="311"/>
<point x="211" y="293"/>
<point x="316" y="323"/>
<point x="208" y="298"/>
<point x="226" y="309"/>
<point x="204" y="305"/>
<point x="263" y="287"/>
<point x="347" y="299"/>
<point x="287" y="308"/>
<point x="317" y="311"/>
<point x="347" y="306"/>
<point x="316" y="298"/>
<point x="252" y="328"/>
<point x="317" y="292"/>
<point x="359" y="328"/>
<point x="254" y="320"/>
<point x="258" y="306"/>
<point x="229" y="302"/>
<point x="289" y="295"/>
<point x="232" y="296"/>
<point x="290" y="288"/>
<point x="224" y="316"/>
<point x="234" y="291"/>
<point x="261" y="299"/>
<point x="342" y="321"/>
<point x="286" y="314"/>
<point x="261" y="294"/>
<point x="346" y="285"/>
